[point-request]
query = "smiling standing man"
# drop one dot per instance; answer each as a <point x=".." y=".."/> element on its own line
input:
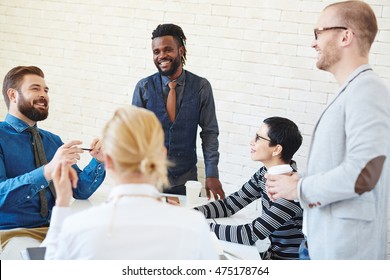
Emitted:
<point x="345" y="191"/>
<point x="28" y="156"/>
<point x="182" y="101"/>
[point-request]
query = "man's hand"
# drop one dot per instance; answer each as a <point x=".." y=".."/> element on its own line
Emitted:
<point x="65" y="180"/>
<point x="69" y="153"/>
<point x="96" y="151"/>
<point x="282" y="186"/>
<point x="215" y="186"/>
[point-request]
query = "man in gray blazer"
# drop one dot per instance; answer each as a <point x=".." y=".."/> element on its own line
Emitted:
<point x="345" y="190"/>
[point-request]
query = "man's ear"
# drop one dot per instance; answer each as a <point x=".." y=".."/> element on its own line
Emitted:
<point x="347" y="37"/>
<point x="12" y="93"/>
<point x="181" y="51"/>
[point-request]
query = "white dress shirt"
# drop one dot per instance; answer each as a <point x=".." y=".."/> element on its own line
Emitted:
<point x="133" y="224"/>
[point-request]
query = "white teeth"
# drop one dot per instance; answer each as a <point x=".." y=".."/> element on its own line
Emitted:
<point x="164" y="63"/>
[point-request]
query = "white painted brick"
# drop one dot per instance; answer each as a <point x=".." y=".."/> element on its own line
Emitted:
<point x="279" y="49"/>
<point x="384" y="59"/>
<point x="313" y="107"/>
<point x="279" y="26"/>
<point x="303" y="95"/>
<point x="235" y="128"/>
<point x="227" y="11"/>
<point x="292" y="84"/>
<point x="263" y="14"/>
<point x="235" y="137"/>
<point x="298" y="17"/>
<point x="383" y="36"/>
<point x="245" y="23"/>
<point x="211" y="20"/>
<point x="312" y="7"/>
<point x="386" y="12"/>
<point x="326" y="87"/>
<point x="233" y="169"/>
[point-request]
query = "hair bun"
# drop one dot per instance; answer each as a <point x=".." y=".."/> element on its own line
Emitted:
<point x="147" y="166"/>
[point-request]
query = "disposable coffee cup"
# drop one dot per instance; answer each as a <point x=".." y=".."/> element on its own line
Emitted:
<point x="279" y="169"/>
<point x="192" y="192"/>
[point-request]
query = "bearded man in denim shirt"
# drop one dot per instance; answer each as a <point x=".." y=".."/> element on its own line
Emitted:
<point x="23" y="223"/>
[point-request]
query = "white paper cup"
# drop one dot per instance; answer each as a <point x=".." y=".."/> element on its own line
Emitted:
<point x="193" y="190"/>
<point x="279" y="169"/>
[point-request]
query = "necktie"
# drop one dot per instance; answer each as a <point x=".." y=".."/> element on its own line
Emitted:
<point x="40" y="159"/>
<point x="171" y="101"/>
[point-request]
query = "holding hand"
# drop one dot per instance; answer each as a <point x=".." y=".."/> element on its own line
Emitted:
<point x="69" y="153"/>
<point x="65" y="180"/>
<point x="282" y="186"/>
<point x="96" y="151"/>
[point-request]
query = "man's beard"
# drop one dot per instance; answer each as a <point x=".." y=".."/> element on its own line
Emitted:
<point x="175" y="66"/>
<point x="330" y="56"/>
<point x="30" y="112"/>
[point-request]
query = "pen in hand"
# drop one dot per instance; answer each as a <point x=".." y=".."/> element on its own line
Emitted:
<point x="86" y="149"/>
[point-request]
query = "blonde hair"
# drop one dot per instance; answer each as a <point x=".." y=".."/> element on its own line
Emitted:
<point x="134" y="139"/>
<point x="360" y="17"/>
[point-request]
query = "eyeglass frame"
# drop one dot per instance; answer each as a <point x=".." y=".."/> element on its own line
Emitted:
<point x="326" y="29"/>
<point x="258" y="137"/>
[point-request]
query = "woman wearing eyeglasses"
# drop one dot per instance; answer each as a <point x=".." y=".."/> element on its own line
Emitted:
<point x="134" y="223"/>
<point x="274" y="145"/>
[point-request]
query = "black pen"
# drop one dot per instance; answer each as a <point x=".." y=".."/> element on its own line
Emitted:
<point x="86" y="149"/>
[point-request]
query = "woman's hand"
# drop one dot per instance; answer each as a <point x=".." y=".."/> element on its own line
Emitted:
<point x="65" y="180"/>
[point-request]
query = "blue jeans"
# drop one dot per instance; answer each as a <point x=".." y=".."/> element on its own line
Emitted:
<point x="304" y="250"/>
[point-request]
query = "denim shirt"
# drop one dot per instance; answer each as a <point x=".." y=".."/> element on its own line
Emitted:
<point x="151" y="93"/>
<point x="21" y="181"/>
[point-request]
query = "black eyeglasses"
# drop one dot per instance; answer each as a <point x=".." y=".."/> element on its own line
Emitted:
<point x="316" y="30"/>
<point x="258" y="137"/>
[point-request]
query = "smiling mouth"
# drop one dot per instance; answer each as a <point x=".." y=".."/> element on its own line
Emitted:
<point x="41" y="103"/>
<point x="164" y="63"/>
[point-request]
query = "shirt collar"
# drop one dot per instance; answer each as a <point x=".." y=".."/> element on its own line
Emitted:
<point x="179" y="81"/>
<point x="134" y="189"/>
<point x="16" y="123"/>
<point x="354" y="74"/>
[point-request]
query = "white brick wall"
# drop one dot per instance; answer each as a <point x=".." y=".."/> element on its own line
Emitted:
<point x="256" y="54"/>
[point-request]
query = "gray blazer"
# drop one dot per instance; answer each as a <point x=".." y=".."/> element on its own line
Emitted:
<point x="352" y="130"/>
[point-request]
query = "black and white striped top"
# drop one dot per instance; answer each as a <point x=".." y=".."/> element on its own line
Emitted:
<point x="281" y="220"/>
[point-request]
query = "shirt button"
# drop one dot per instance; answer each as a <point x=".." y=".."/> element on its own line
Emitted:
<point x="28" y="197"/>
<point x="42" y="186"/>
<point x="95" y="181"/>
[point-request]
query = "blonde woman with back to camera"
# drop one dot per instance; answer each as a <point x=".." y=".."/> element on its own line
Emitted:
<point x="134" y="223"/>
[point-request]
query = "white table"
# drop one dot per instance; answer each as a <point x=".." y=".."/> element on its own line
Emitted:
<point x="229" y="249"/>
